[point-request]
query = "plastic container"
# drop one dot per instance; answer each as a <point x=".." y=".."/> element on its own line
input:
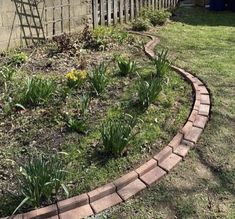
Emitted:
<point x="217" y="5"/>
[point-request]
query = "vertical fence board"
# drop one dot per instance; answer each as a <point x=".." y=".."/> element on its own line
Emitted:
<point x="109" y="11"/>
<point x="126" y="11"/>
<point x="102" y="12"/>
<point x="137" y="9"/>
<point x="121" y="11"/>
<point x="132" y="7"/>
<point x="95" y="13"/>
<point x="115" y="12"/>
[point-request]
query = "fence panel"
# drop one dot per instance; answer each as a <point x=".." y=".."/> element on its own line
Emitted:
<point x="111" y="12"/>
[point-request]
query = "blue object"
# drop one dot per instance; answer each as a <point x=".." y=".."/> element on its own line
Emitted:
<point x="217" y="5"/>
<point x="231" y="5"/>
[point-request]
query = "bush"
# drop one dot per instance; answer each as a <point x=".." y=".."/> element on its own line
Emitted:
<point x="158" y="17"/>
<point x="18" y="59"/>
<point x="162" y="65"/>
<point x="76" y="78"/>
<point x="148" y="90"/>
<point x="140" y="24"/>
<point x="36" y="91"/>
<point x="7" y="73"/>
<point x="98" y="79"/>
<point x="116" y="133"/>
<point x="40" y="180"/>
<point x="126" y="66"/>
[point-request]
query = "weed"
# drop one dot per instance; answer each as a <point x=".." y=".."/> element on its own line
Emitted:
<point x="116" y="133"/>
<point x="18" y="59"/>
<point x="140" y="24"/>
<point x="77" y="124"/>
<point x="98" y="79"/>
<point x="63" y="42"/>
<point x="40" y="179"/>
<point x="7" y="73"/>
<point x="126" y="66"/>
<point x="36" y="91"/>
<point x="85" y="101"/>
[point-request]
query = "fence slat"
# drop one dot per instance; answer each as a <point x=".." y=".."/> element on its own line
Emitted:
<point x="126" y="10"/>
<point x="109" y="11"/>
<point x="102" y="12"/>
<point x="114" y="12"/>
<point x="137" y="9"/>
<point x="132" y="9"/>
<point x="121" y="11"/>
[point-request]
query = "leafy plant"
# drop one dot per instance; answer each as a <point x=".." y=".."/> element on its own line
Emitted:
<point x="126" y="66"/>
<point x="75" y="78"/>
<point x="77" y="124"/>
<point x="140" y="24"/>
<point x="116" y="133"/>
<point x="40" y="179"/>
<point x="18" y="59"/>
<point x="36" y="91"/>
<point x="63" y="42"/>
<point x="7" y="73"/>
<point x="98" y="79"/>
<point x="85" y="101"/>
<point x="148" y="90"/>
<point x="162" y="65"/>
<point x="158" y="17"/>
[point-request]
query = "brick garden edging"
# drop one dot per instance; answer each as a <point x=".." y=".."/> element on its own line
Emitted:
<point x="128" y="185"/>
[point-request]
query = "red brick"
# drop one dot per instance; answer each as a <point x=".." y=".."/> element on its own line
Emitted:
<point x="131" y="189"/>
<point x="193" y="115"/>
<point x="196" y="80"/>
<point x="153" y="175"/>
<point x="170" y="162"/>
<point x="77" y="213"/>
<point x="205" y="99"/>
<point x="188" y="143"/>
<point x="196" y="105"/>
<point x="18" y="216"/>
<point x="42" y="213"/>
<point x="102" y="192"/>
<point x="200" y="121"/>
<point x="193" y="135"/>
<point x="163" y="154"/>
<point x="204" y="110"/>
<point x="187" y="127"/>
<point x="182" y="150"/>
<point x="203" y="90"/>
<point x="146" y="167"/>
<point x="198" y="95"/>
<point x="106" y="202"/>
<point x="73" y="202"/>
<point x="176" y="140"/>
<point x="125" y="180"/>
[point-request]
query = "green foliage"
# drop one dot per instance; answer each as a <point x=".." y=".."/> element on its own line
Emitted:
<point x="40" y="179"/>
<point x="7" y="73"/>
<point x="158" y="17"/>
<point x="162" y="65"/>
<point x="85" y="102"/>
<point x="126" y="66"/>
<point x="116" y="133"/>
<point x="18" y="59"/>
<point x="36" y="91"/>
<point x="140" y="24"/>
<point x="98" y="79"/>
<point x="77" y="124"/>
<point x="148" y="90"/>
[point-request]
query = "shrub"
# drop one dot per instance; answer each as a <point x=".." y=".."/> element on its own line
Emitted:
<point x="116" y="133"/>
<point x="40" y="179"/>
<point x="63" y="42"/>
<point x="36" y="91"/>
<point x="148" y="90"/>
<point x="158" y="17"/>
<point x="126" y="66"/>
<point x="75" y="78"/>
<point x="18" y="59"/>
<point x="7" y="73"/>
<point x="140" y="24"/>
<point x="162" y="65"/>
<point x="98" y="79"/>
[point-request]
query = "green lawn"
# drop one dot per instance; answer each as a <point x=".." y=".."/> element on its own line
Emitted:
<point x="203" y="186"/>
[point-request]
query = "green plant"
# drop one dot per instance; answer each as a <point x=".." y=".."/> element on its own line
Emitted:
<point x="116" y="133"/>
<point x="162" y="65"/>
<point x="126" y="66"/>
<point x="140" y="24"/>
<point x="40" y="179"/>
<point x="36" y="91"/>
<point x="75" y="78"/>
<point x="148" y="90"/>
<point x="85" y="101"/>
<point x="18" y="59"/>
<point x="77" y="124"/>
<point x="98" y="79"/>
<point x="7" y="73"/>
<point x="158" y="17"/>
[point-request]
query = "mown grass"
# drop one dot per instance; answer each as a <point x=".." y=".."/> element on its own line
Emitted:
<point x="202" y="42"/>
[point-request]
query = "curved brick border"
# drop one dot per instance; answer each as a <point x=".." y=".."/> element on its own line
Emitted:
<point x="130" y="184"/>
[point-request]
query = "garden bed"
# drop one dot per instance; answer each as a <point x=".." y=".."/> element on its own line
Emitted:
<point x="47" y="128"/>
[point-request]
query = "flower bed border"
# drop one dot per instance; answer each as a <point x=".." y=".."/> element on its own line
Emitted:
<point x="130" y="184"/>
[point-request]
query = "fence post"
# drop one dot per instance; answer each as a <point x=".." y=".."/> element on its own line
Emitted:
<point x="121" y="11"/>
<point x="126" y="11"/>
<point x="109" y="11"/>
<point x="115" y="12"/>
<point x="102" y="12"/>
<point x="95" y="12"/>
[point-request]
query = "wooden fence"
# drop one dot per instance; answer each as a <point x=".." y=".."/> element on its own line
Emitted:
<point x="111" y="12"/>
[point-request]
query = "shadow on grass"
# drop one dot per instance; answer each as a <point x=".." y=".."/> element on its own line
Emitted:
<point x="204" y="17"/>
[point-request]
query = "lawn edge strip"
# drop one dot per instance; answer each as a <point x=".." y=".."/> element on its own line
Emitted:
<point x="159" y="165"/>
